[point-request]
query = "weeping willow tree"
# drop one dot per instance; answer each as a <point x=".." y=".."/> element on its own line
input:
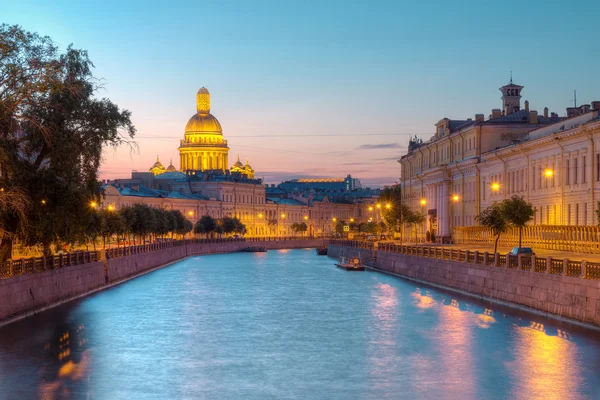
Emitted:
<point x="52" y="132"/>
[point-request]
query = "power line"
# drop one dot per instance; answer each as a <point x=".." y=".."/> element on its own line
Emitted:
<point x="296" y="135"/>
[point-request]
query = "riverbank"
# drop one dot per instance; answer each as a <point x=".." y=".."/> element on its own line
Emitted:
<point x="553" y="293"/>
<point x="27" y="294"/>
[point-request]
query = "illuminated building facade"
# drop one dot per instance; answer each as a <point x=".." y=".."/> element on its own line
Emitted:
<point x="468" y="164"/>
<point x="205" y="186"/>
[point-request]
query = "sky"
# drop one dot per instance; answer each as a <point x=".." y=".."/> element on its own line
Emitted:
<point x="319" y="88"/>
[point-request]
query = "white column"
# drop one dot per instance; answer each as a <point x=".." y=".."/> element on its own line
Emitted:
<point x="445" y="214"/>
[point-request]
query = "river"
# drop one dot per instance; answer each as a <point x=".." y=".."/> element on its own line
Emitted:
<point x="288" y="324"/>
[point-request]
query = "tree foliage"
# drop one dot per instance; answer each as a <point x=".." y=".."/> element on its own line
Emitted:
<point x="299" y="227"/>
<point x="52" y="132"/>
<point x="518" y="213"/>
<point x="493" y="218"/>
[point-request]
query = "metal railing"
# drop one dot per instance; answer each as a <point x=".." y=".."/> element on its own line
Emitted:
<point x="550" y="265"/>
<point x="32" y="265"/>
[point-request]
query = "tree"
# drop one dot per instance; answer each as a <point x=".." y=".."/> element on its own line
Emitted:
<point x="517" y="213"/>
<point x="228" y="224"/>
<point x="209" y="224"/>
<point x="339" y="226"/>
<point x="111" y="223"/>
<point x="414" y="219"/>
<point x="144" y="222"/>
<point x="199" y="228"/>
<point x="299" y="227"/>
<point x="493" y="218"/>
<point x="129" y="216"/>
<point x="52" y="132"/>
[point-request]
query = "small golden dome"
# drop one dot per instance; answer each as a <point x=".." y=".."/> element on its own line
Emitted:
<point x="157" y="164"/>
<point x="171" y="167"/>
<point x="247" y="167"/>
<point x="238" y="164"/>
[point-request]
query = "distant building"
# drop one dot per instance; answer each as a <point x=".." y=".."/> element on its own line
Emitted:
<point x="205" y="186"/>
<point x="302" y="184"/>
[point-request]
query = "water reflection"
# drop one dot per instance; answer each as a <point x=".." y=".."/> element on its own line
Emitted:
<point x="66" y="361"/>
<point x="382" y="343"/>
<point x="545" y="365"/>
<point x="455" y="342"/>
<point x="422" y="301"/>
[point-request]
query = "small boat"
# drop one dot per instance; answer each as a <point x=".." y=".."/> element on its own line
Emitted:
<point x="322" y="251"/>
<point x="255" y="249"/>
<point x="352" y="264"/>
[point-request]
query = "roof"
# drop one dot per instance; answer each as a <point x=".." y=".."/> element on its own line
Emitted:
<point x="318" y="180"/>
<point x="522" y="116"/>
<point x="170" y="175"/>
<point x="290" y="202"/>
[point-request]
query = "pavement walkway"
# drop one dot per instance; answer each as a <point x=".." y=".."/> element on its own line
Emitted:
<point x="571" y="255"/>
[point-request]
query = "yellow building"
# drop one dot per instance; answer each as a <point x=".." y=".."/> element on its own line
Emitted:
<point x="203" y="146"/>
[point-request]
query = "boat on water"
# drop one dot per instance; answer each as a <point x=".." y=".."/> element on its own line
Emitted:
<point x="255" y="249"/>
<point x="321" y="251"/>
<point x="352" y="264"/>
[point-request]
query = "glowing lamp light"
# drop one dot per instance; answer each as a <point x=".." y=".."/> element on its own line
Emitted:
<point x="93" y="204"/>
<point x="259" y="215"/>
<point x="388" y="206"/>
<point x="282" y="215"/>
<point x="305" y="217"/>
<point x="334" y="219"/>
<point x="43" y="201"/>
<point x="370" y="208"/>
<point x="455" y="197"/>
<point x="111" y="207"/>
<point x="190" y="213"/>
<point x="351" y="219"/>
<point x="548" y="173"/>
<point x="495" y="187"/>
<point x="423" y="202"/>
<point x="378" y="206"/>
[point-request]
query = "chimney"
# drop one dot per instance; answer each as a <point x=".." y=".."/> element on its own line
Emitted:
<point x="479" y="118"/>
<point x="533" y="117"/>
<point x="545" y="112"/>
<point x="573" y="111"/>
<point x="496" y="113"/>
<point x="596" y="105"/>
<point x="585" y="108"/>
<point x="526" y="105"/>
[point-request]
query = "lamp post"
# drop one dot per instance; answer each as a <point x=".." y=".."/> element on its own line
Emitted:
<point x="455" y="198"/>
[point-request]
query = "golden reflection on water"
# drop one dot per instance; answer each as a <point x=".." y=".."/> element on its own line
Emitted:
<point x="422" y="302"/>
<point x="545" y="366"/>
<point x="56" y="385"/>
<point x="455" y="349"/>
<point x="382" y="343"/>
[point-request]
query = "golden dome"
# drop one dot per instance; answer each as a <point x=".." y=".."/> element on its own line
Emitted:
<point x="203" y="124"/>
<point x="238" y="164"/>
<point x="203" y="121"/>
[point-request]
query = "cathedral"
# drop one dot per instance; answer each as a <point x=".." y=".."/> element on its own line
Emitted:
<point x="203" y="147"/>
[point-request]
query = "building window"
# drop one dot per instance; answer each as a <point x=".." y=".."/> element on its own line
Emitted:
<point x="598" y="167"/>
<point x="585" y="216"/>
<point x="568" y="214"/>
<point x="533" y="177"/>
<point x="576" y="214"/>
<point x="575" y="171"/>
<point x="583" y="175"/>
<point x="567" y="172"/>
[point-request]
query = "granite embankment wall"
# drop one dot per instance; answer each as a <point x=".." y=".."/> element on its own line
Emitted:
<point x="569" y="297"/>
<point x="23" y="294"/>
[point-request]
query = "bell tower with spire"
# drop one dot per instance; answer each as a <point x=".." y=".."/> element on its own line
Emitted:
<point x="511" y="97"/>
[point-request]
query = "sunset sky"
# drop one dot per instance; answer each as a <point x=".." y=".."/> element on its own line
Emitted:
<point x="320" y="88"/>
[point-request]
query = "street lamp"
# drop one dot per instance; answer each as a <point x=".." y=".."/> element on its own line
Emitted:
<point x="191" y="213"/>
<point x="370" y="208"/>
<point x="334" y="219"/>
<point x="548" y="173"/>
<point x="259" y="215"/>
<point x="43" y="202"/>
<point x="306" y="217"/>
<point x="93" y="204"/>
<point x="495" y="186"/>
<point x="423" y="202"/>
<point x="388" y="206"/>
<point x="455" y="198"/>
<point x="378" y="205"/>
<point x="110" y="207"/>
<point x="351" y="219"/>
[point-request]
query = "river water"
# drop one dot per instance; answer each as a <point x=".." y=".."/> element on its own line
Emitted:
<point x="289" y="325"/>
